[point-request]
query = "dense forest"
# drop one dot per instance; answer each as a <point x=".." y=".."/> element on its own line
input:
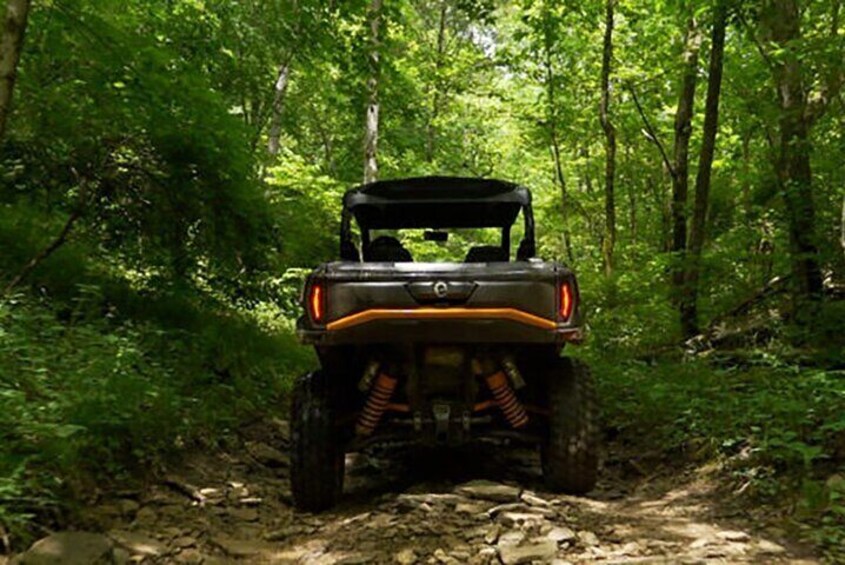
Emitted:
<point x="172" y="168"/>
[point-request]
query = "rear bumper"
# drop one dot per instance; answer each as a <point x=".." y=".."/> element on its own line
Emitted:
<point x="440" y="325"/>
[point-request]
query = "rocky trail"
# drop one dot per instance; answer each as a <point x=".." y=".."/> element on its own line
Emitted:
<point x="483" y="505"/>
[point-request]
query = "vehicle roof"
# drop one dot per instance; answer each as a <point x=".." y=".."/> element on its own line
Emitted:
<point x="436" y="202"/>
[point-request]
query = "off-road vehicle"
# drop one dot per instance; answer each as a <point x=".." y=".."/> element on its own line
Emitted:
<point x="440" y="353"/>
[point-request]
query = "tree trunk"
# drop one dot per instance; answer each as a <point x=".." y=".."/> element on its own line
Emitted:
<point x="551" y="112"/>
<point x="781" y="22"/>
<point x="609" y="239"/>
<point x="689" y="302"/>
<point x="281" y="88"/>
<point x="371" y="133"/>
<point x="632" y="195"/>
<point x="683" y="132"/>
<point x="11" y="44"/>
<point x="431" y="127"/>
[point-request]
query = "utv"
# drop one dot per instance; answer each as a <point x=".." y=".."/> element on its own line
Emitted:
<point x="440" y="353"/>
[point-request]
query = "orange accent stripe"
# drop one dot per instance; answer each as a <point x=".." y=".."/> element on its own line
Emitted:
<point x="441" y="314"/>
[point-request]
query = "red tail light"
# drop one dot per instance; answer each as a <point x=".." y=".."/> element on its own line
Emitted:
<point x="317" y="302"/>
<point x="567" y="300"/>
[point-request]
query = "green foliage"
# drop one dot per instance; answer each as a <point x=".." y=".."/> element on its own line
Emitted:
<point x="779" y="429"/>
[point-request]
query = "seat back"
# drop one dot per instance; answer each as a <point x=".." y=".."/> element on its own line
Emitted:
<point x="486" y="254"/>
<point x="388" y="249"/>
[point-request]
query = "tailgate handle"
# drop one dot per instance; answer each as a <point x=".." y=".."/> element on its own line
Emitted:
<point x="441" y="291"/>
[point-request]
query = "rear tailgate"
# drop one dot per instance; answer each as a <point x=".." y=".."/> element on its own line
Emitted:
<point x="440" y="302"/>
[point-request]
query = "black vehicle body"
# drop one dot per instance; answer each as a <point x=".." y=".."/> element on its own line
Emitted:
<point x="439" y="353"/>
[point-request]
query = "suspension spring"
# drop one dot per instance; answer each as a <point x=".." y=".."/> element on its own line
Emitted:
<point x="509" y="404"/>
<point x="376" y="404"/>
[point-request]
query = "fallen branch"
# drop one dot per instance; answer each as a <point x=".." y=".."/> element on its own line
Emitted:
<point x="189" y="490"/>
<point x="774" y="286"/>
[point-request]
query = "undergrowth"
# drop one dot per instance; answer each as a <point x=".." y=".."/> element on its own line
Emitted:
<point x="779" y="429"/>
<point x="88" y="395"/>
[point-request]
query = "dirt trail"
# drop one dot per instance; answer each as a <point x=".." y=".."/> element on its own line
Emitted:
<point x="482" y="505"/>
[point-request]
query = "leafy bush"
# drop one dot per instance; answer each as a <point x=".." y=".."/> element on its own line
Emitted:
<point x="779" y="429"/>
<point x="103" y="396"/>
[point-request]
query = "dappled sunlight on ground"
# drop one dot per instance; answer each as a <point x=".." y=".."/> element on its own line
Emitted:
<point x="404" y="506"/>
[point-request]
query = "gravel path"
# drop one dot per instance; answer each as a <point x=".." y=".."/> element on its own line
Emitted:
<point x="480" y="505"/>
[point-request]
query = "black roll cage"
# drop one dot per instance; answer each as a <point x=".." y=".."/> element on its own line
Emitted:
<point x="436" y="202"/>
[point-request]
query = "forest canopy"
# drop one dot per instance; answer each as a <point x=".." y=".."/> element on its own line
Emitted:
<point x="171" y="168"/>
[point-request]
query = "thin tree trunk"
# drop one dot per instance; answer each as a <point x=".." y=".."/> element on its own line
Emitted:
<point x="746" y="175"/>
<point x="11" y="44"/>
<point x="842" y="227"/>
<point x="683" y="132"/>
<point x="588" y="181"/>
<point x="781" y="23"/>
<point x="632" y="195"/>
<point x="280" y="91"/>
<point x="609" y="239"/>
<point x="371" y="133"/>
<point x="552" y="119"/>
<point x="431" y="127"/>
<point x="689" y="302"/>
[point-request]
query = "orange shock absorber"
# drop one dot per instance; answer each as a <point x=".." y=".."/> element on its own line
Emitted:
<point x="505" y="397"/>
<point x="376" y="405"/>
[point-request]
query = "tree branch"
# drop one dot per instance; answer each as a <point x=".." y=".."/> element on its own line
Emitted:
<point x="57" y="242"/>
<point x="652" y="134"/>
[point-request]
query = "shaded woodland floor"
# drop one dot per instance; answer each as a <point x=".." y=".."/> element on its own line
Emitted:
<point x="480" y="505"/>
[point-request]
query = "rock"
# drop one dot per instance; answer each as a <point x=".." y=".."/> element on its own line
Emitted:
<point x="244" y="514"/>
<point x="509" y="507"/>
<point x="430" y="498"/>
<point x="469" y="508"/>
<point x="486" y="555"/>
<point x="128" y="507"/>
<point x="629" y="549"/>
<point x="242" y="548"/>
<point x="460" y="555"/>
<point x="588" y="539"/>
<point x="138" y="544"/>
<point x="184" y="542"/>
<point x="561" y="534"/>
<point x="146" y="516"/>
<point x="487" y="490"/>
<point x="513" y="537"/>
<point x="190" y="557"/>
<point x="442" y="557"/>
<point x="492" y="534"/>
<point x="729" y="535"/>
<point x="516" y="519"/>
<point x="532" y="499"/>
<point x="267" y="455"/>
<point x="769" y="547"/>
<point x="542" y="550"/>
<point x="70" y="548"/>
<point x="700" y="542"/>
<point x="406" y="557"/>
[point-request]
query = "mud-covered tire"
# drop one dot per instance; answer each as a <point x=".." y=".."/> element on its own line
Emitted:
<point x="317" y="457"/>
<point x="570" y="452"/>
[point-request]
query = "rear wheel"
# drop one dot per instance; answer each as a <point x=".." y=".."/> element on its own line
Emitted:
<point x="317" y="457"/>
<point x="570" y="452"/>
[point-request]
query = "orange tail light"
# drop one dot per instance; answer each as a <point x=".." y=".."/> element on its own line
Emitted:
<point x="317" y="302"/>
<point x="567" y="300"/>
